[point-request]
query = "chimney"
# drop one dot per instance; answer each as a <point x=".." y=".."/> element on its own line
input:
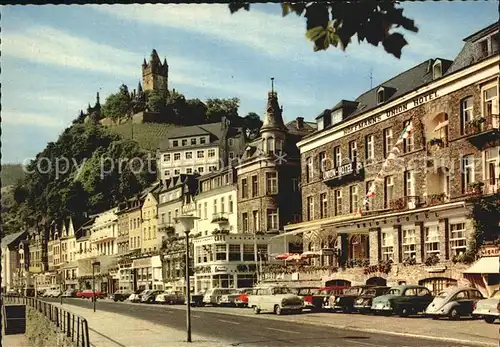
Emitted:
<point x="300" y="122"/>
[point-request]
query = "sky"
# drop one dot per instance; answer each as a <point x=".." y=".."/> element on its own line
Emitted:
<point x="55" y="58"/>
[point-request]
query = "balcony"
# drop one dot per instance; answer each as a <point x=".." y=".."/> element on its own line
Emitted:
<point x="436" y="199"/>
<point x="220" y="217"/>
<point x="168" y="228"/>
<point x="491" y="186"/>
<point x="347" y="172"/>
<point x="483" y="130"/>
<point x="436" y="144"/>
<point x="405" y="203"/>
<point x="480" y="188"/>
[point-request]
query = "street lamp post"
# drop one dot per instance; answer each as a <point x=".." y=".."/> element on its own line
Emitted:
<point x="94" y="264"/>
<point x="187" y="222"/>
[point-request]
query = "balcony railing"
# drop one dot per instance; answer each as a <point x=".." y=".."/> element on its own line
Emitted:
<point x="220" y="217"/>
<point x="349" y="170"/>
<point x="436" y="144"/>
<point x="487" y="124"/>
<point x="436" y="199"/>
<point x="491" y="186"/>
<point x="406" y="202"/>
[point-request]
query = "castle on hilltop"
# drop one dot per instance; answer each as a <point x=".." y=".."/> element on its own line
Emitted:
<point x="154" y="78"/>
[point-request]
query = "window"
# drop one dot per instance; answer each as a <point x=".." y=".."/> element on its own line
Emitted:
<point x="184" y="142"/>
<point x="201" y="169"/>
<point x="189" y="155"/>
<point x="388" y="190"/>
<point x="200" y="154"/>
<point x="437" y="70"/>
<point x="211" y="153"/>
<point x="310" y="208"/>
<point x="193" y="141"/>
<point x="177" y="172"/>
<point x="189" y="170"/>
<point x="431" y="240"/>
<point x="231" y="155"/>
<point x="337" y="116"/>
<point x="323" y="200"/>
<point x="369" y="185"/>
<point x="295" y="184"/>
<point x="272" y="182"/>
<point x="309" y="169"/>
<point x="202" y="140"/>
<point x="353" y="198"/>
<point x="255" y="217"/>
<point x="387" y="141"/>
<point x="272" y="219"/>
<point x="177" y="156"/>
<point x="338" y="202"/>
<point x="230" y="198"/>
<point x="467" y="108"/>
<point x="244" y="221"/>
<point x="175" y="143"/>
<point x="220" y="252"/>
<point x="387" y="244"/>
<point x="490" y="103"/>
<point x="369" y="147"/>
<point x="483" y="45"/>
<point x="321" y="162"/>
<point x="234" y="253"/>
<point x="167" y="172"/>
<point x="409" y="243"/>
<point x="353" y="151"/>
<point x="380" y="96"/>
<point x="215" y="206"/>
<point x="222" y="205"/>
<point x="212" y="168"/>
<point x="467" y="172"/>
<point x="409" y="183"/>
<point x="248" y="253"/>
<point x="244" y="188"/>
<point x="458" y="242"/>
<point x="337" y="156"/>
<point x="230" y="142"/>
<point x="166" y="157"/>
<point x="408" y="143"/>
<point x="255" y="186"/>
<point x="492" y="169"/>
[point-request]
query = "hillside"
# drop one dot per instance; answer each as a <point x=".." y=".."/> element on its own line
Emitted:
<point x="11" y="174"/>
<point x="148" y="135"/>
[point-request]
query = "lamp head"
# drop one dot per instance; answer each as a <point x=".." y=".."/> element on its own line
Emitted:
<point x="187" y="222"/>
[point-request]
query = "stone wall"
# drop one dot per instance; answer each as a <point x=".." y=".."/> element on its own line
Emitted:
<point x="43" y="333"/>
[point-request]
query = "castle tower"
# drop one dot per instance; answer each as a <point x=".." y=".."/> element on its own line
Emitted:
<point x="154" y="73"/>
<point x="273" y="129"/>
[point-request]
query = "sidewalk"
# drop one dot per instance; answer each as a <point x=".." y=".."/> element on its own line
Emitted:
<point x="18" y="340"/>
<point x="133" y="332"/>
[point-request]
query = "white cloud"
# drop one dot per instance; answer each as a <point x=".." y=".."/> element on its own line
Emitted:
<point x="16" y="117"/>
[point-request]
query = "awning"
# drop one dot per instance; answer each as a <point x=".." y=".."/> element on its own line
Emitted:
<point x="441" y="125"/>
<point x="485" y="265"/>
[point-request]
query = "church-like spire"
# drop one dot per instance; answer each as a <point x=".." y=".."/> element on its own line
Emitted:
<point x="164" y="61"/>
<point x="97" y="99"/>
<point x="273" y="119"/>
<point x="144" y="63"/>
<point x="139" y="87"/>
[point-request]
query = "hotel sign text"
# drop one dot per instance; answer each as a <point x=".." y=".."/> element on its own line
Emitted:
<point x="392" y="112"/>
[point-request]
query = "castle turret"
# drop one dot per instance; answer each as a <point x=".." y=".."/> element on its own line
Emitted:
<point x="273" y="130"/>
<point x="154" y="73"/>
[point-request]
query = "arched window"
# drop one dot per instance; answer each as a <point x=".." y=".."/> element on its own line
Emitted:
<point x="437" y="70"/>
<point x="380" y="96"/>
<point x="270" y="144"/>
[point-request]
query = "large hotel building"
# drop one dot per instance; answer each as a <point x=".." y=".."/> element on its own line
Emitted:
<point x="415" y="226"/>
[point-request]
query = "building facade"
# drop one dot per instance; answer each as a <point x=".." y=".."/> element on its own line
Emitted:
<point x="387" y="177"/>
<point x="104" y="232"/>
<point x="10" y="260"/>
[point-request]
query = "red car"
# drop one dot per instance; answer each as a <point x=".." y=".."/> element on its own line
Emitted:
<point x="88" y="294"/>
<point x="242" y="299"/>
<point x="307" y="293"/>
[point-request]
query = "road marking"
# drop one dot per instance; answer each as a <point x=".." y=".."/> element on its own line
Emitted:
<point x="283" y="331"/>
<point x="228" y="321"/>
<point x="195" y="316"/>
<point x="364" y="343"/>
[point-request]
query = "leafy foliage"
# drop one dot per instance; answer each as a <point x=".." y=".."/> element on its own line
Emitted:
<point x="334" y="23"/>
<point x="252" y="123"/>
<point x="11" y="174"/>
<point x="118" y="105"/>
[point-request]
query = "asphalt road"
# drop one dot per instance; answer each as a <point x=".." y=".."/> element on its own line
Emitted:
<point x="249" y="331"/>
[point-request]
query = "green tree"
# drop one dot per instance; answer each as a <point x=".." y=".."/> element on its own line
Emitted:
<point x="252" y="124"/>
<point x="218" y="108"/>
<point x="335" y="23"/>
<point x="118" y="105"/>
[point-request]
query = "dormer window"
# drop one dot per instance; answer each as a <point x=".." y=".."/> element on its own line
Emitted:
<point x="437" y="69"/>
<point x="483" y="45"/>
<point x="321" y="123"/>
<point x="337" y="116"/>
<point x="380" y="96"/>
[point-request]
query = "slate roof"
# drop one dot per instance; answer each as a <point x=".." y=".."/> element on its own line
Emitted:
<point x="12" y="239"/>
<point x="309" y="127"/>
<point x="212" y="129"/>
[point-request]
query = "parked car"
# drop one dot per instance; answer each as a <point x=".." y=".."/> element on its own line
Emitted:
<point x="121" y="295"/>
<point x="136" y="297"/>
<point x="454" y="302"/>
<point x="214" y="295"/>
<point x="230" y="299"/>
<point x="327" y="296"/>
<point x="89" y="294"/>
<point x="170" y="298"/>
<point x="197" y="299"/>
<point x="488" y="309"/>
<point x="275" y="299"/>
<point x="242" y="299"/>
<point x="307" y="294"/>
<point x="70" y="293"/>
<point x="363" y="302"/>
<point x="345" y="302"/>
<point x="52" y="293"/>
<point x="403" y="300"/>
<point x="149" y="296"/>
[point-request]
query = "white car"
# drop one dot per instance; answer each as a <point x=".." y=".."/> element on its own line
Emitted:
<point x="214" y="296"/>
<point x="136" y="297"/>
<point x="488" y="309"/>
<point x="275" y="299"/>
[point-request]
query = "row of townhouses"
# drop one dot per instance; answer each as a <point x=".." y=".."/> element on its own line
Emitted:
<point x="377" y="190"/>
